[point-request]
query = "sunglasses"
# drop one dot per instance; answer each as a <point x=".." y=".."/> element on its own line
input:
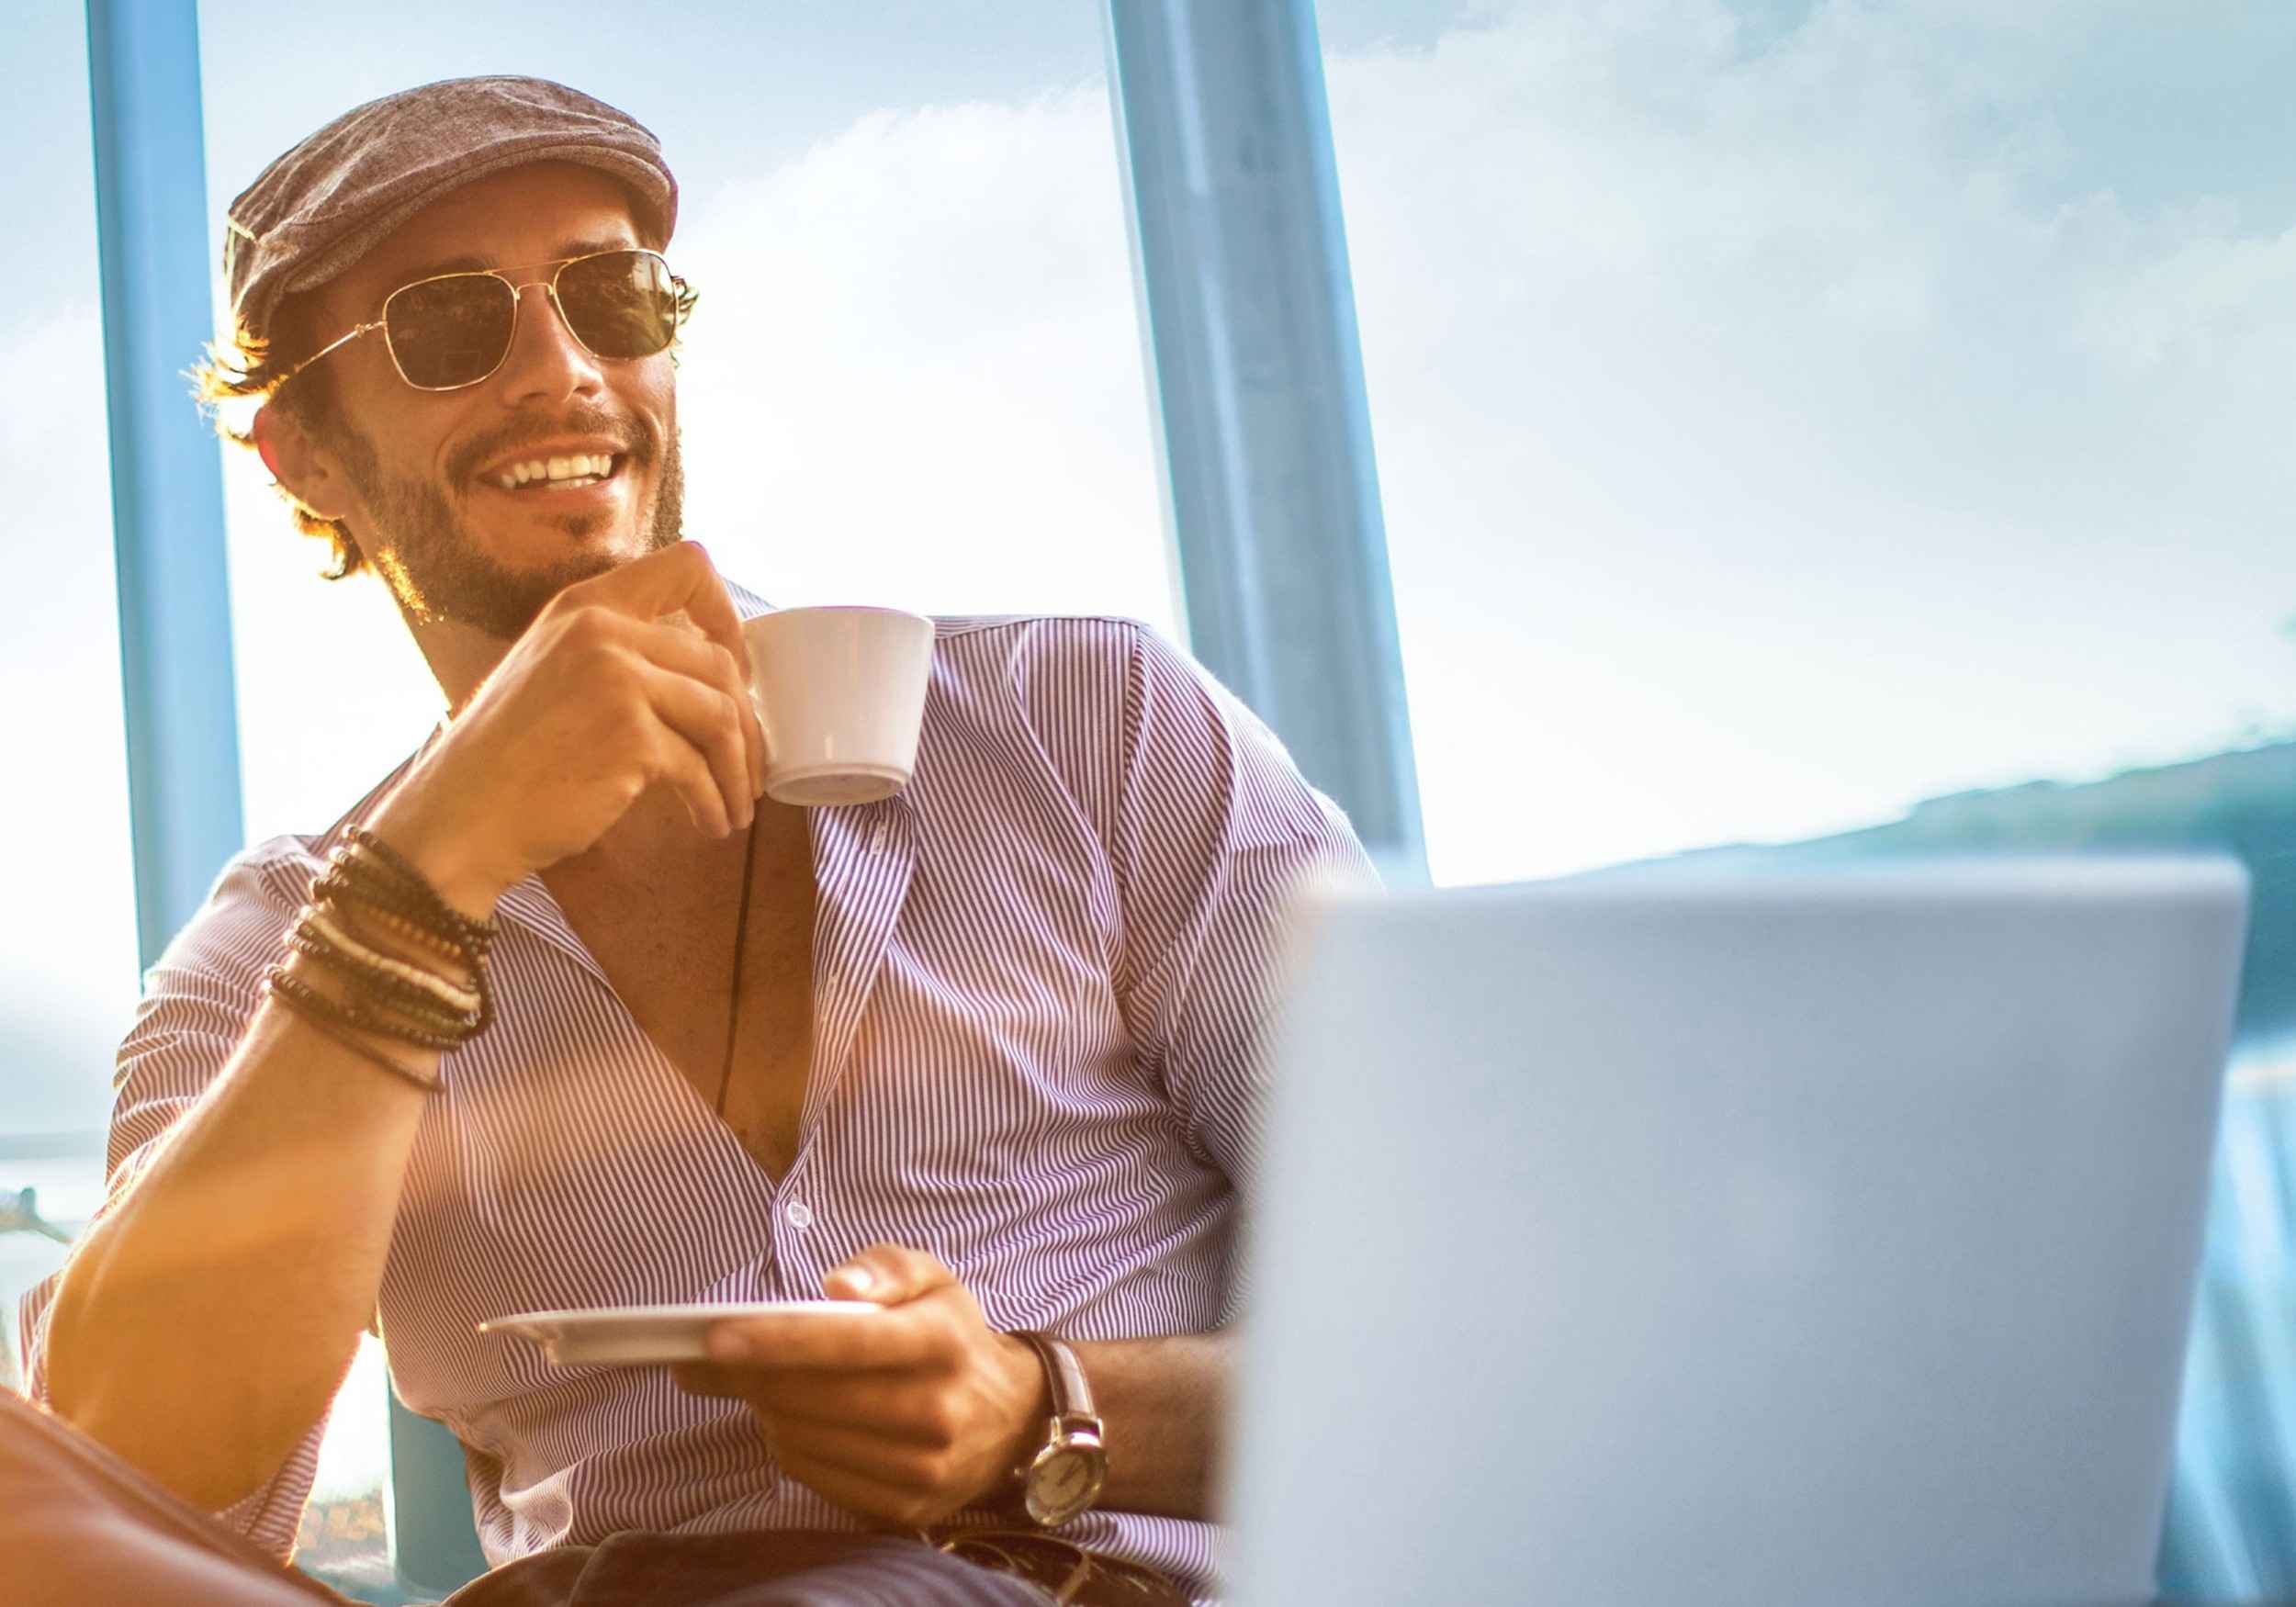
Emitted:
<point x="454" y="330"/>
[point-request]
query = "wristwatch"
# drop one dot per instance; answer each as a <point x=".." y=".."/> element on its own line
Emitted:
<point x="1063" y="1478"/>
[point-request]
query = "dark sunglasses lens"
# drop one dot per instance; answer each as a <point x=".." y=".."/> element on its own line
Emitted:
<point x="622" y="303"/>
<point x="451" y="331"/>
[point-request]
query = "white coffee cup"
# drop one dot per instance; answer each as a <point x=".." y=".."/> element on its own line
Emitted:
<point x="840" y="692"/>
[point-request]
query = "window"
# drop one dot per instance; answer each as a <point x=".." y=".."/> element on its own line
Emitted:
<point x="1837" y="407"/>
<point x="68" y="959"/>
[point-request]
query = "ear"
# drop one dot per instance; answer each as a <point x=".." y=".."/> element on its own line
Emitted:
<point x="304" y="469"/>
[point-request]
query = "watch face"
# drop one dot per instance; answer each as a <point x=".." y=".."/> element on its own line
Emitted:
<point x="1062" y="1483"/>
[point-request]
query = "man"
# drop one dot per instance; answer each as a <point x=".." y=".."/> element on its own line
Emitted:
<point x="987" y="1065"/>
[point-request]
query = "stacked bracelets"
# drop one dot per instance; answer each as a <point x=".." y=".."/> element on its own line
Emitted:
<point x="368" y="887"/>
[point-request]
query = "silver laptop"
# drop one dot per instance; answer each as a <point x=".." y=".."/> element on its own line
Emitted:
<point x="1744" y="1240"/>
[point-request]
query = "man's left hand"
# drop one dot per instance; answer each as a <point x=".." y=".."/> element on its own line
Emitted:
<point x="907" y="1414"/>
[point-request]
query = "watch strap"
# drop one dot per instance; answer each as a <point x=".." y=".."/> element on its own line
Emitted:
<point x="1063" y="1375"/>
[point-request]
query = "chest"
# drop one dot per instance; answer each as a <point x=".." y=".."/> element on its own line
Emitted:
<point x="670" y="940"/>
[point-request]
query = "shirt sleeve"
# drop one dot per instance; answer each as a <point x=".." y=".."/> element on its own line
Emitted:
<point x="199" y="1000"/>
<point x="1214" y="831"/>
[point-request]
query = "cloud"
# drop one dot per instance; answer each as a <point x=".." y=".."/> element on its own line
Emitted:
<point x="1820" y="426"/>
<point x="915" y="375"/>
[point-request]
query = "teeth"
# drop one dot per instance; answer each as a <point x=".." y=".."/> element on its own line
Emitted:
<point x="583" y="466"/>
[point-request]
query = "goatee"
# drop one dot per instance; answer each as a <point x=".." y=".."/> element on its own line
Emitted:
<point x="434" y="565"/>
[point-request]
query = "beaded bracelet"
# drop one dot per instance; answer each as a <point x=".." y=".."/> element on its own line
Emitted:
<point x="481" y="933"/>
<point x="366" y="1052"/>
<point x="366" y="912"/>
<point x="369" y="876"/>
<point x="420" y="993"/>
<point x="434" y="988"/>
<point x="356" y="1014"/>
<point x="381" y="989"/>
<point x="352" y="872"/>
<point x="346" y="884"/>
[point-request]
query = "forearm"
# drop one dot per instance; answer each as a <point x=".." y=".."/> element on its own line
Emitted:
<point x="204" y="1323"/>
<point x="1162" y="1402"/>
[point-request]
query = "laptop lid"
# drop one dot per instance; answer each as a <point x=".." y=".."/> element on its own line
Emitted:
<point x="1804" y="1239"/>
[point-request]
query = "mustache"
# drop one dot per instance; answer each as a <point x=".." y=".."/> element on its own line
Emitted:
<point x="638" y="438"/>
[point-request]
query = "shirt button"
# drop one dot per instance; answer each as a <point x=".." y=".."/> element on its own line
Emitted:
<point x="797" y="1214"/>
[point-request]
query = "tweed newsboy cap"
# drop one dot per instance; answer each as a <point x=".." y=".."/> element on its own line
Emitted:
<point x="332" y="199"/>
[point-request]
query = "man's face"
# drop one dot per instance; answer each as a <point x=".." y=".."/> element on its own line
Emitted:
<point x="420" y="471"/>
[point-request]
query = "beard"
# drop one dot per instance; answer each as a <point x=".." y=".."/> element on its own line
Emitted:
<point x="435" y="568"/>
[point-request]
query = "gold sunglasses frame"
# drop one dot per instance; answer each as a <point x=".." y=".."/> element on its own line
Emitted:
<point x="518" y="300"/>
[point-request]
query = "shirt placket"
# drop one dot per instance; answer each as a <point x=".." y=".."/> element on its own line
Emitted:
<point x="864" y="857"/>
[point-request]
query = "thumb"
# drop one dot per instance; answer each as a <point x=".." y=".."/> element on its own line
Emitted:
<point x="889" y="1274"/>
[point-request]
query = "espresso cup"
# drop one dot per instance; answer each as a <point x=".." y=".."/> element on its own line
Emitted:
<point x="840" y="692"/>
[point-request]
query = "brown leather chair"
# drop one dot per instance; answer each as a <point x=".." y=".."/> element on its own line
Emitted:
<point x="81" y="1528"/>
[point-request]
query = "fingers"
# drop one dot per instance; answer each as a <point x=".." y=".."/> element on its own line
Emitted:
<point x="906" y="1412"/>
<point x="708" y="1379"/>
<point x="688" y="654"/>
<point x="678" y="576"/>
<point x="902" y="1464"/>
<point x="714" y="723"/>
<point x="890" y="1407"/>
<point x="857" y="1341"/>
<point x="694" y="747"/>
<point x="679" y="580"/>
<point x="869" y="1432"/>
<point x="940" y="1473"/>
<point x="861" y="1491"/>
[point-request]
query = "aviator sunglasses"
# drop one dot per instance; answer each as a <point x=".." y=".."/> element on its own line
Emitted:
<point x="454" y="330"/>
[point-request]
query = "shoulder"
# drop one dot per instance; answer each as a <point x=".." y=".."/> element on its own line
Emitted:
<point x="1089" y="690"/>
<point x="1070" y="664"/>
<point x="1088" y="647"/>
<point x="1144" y="735"/>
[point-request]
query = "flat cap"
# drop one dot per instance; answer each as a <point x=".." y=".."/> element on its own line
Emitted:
<point x="332" y="199"/>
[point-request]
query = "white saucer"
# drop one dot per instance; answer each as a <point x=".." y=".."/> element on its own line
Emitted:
<point x="647" y="1333"/>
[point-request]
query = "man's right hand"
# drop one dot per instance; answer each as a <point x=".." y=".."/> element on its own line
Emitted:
<point x="601" y="699"/>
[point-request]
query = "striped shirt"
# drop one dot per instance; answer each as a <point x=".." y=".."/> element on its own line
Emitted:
<point x="1038" y="974"/>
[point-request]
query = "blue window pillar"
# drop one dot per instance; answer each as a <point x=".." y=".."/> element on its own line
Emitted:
<point x="1256" y="385"/>
<point x="167" y="479"/>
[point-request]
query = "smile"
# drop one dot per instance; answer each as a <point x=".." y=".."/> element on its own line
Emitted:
<point x="556" y="473"/>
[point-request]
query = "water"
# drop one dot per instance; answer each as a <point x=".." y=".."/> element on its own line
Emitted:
<point x="68" y="1188"/>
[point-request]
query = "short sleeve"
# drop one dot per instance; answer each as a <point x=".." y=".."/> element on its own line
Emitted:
<point x="198" y="1002"/>
<point x="1214" y="831"/>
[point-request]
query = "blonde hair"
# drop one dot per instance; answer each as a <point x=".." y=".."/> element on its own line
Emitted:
<point x="249" y="368"/>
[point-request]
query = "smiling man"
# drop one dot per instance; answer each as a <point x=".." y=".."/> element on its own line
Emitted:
<point x="564" y="1014"/>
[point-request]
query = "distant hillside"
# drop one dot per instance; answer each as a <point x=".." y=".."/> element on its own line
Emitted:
<point x="2242" y="803"/>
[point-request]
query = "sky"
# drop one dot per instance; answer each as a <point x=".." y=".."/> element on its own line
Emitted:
<point x="1784" y="411"/>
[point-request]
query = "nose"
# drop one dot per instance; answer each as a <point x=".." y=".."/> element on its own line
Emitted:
<point x="545" y="364"/>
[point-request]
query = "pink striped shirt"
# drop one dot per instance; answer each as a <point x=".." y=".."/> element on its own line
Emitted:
<point x="1038" y="973"/>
